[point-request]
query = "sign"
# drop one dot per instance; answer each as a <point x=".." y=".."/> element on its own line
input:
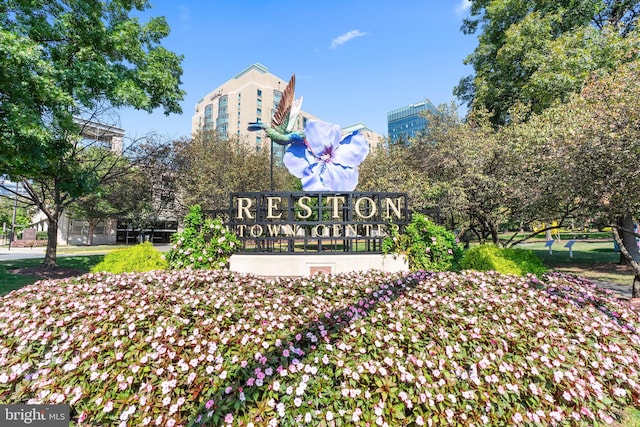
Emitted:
<point x="549" y="244"/>
<point x="570" y="246"/>
<point x="29" y="234"/>
<point x="315" y="222"/>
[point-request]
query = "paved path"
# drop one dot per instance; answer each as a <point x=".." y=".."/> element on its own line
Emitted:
<point x="20" y="253"/>
<point x="28" y="253"/>
<point x="623" y="290"/>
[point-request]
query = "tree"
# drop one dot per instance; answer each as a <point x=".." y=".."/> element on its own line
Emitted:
<point x="121" y="191"/>
<point x="538" y="52"/>
<point x="388" y="168"/>
<point x="462" y="160"/>
<point x="157" y="176"/>
<point x="7" y="204"/>
<point x="586" y="152"/>
<point x="209" y="167"/>
<point x="77" y="59"/>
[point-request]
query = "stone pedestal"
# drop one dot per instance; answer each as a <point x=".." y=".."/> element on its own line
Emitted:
<point x="307" y="265"/>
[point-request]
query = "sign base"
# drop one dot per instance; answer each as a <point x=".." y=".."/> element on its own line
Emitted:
<point x="307" y="265"/>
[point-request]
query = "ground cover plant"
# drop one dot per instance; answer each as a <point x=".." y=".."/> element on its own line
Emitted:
<point x="503" y="260"/>
<point x="214" y="348"/>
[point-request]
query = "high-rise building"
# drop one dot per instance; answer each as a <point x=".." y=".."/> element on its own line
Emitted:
<point x="407" y="121"/>
<point x="250" y="96"/>
<point x="374" y="139"/>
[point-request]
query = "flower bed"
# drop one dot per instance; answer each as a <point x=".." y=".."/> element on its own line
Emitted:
<point x="214" y="348"/>
<point x="28" y="243"/>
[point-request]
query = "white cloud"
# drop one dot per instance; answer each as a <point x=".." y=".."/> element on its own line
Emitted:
<point x="463" y="7"/>
<point x="185" y="14"/>
<point x="340" y="40"/>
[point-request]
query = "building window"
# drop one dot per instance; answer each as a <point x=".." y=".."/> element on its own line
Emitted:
<point x="259" y="112"/>
<point x="259" y="92"/>
<point x="277" y="96"/>
<point x="82" y="227"/>
<point x="208" y="116"/>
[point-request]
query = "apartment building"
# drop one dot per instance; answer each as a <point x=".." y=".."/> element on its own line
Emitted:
<point x="252" y="95"/>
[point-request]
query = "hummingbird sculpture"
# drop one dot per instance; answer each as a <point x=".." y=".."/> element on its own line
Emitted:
<point x="281" y="129"/>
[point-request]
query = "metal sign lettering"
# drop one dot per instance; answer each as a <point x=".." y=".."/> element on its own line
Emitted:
<point x="315" y="222"/>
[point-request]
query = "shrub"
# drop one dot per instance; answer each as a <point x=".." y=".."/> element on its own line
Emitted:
<point x="204" y="243"/>
<point x="426" y="245"/>
<point x="138" y="258"/>
<point x="503" y="260"/>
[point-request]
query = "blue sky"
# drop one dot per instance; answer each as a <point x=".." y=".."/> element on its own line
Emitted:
<point x="354" y="60"/>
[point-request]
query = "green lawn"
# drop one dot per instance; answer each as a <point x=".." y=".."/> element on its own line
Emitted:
<point x="9" y="281"/>
<point x="593" y="259"/>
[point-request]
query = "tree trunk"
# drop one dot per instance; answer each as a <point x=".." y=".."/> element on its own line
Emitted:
<point x="52" y="243"/>
<point x="626" y="223"/>
<point x="92" y="229"/>
<point x="495" y="238"/>
<point x="628" y="254"/>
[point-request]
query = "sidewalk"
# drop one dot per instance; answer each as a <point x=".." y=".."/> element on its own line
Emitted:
<point x="65" y="250"/>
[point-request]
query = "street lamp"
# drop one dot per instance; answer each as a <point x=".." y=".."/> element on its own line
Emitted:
<point x="271" y="165"/>
<point x="13" y="219"/>
<point x="15" y="207"/>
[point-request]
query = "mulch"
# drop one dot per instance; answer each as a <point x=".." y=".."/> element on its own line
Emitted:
<point x="43" y="273"/>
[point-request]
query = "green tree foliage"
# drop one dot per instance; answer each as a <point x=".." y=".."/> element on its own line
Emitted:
<point x="203" y="243"/>
<point x="210" y="167"/>
<point x="586" y="154"/>
<point x="537" y="52"/>
<point x="503" y="260"/>
<point x="138" y="258"/>
<point x="64" y="59"/>
<point x="426" y="245"/>
<point x="462" y="158"/>
<point x="117" y="184"/>
<point x="156" y="176"/>
<point x="6" y="214"/>
<point x="393" y="168"/>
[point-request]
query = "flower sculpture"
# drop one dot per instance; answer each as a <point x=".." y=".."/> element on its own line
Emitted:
<point x="320" y="156"/>
<point x="324" y="160"/>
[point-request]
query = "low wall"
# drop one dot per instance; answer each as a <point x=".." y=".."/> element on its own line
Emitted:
<point x="307" y="265"/>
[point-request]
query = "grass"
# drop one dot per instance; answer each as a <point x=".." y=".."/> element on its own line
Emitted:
<point x="594" y="259"/>
<point x="591" y="259"/>
<point x="10" y="281"/>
